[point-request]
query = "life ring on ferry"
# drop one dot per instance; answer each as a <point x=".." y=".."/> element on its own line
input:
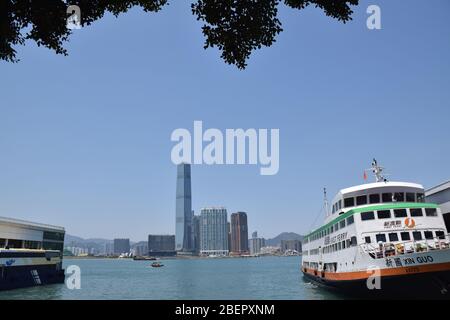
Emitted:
<point x="410" y="223"/>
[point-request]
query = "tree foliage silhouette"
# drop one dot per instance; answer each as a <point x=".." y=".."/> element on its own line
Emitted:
<point x="235" y="27"/>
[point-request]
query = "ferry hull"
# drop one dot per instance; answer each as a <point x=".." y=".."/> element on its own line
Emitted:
<point x="15" y="277"/>
<point x="431" y="285"/>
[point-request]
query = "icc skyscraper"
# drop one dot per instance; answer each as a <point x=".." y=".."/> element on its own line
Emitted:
<point x="184" y="237"/>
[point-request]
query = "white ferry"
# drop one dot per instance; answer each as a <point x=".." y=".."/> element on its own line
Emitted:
<point x="380" y="238"/>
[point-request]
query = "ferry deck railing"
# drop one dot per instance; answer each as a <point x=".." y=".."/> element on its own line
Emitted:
<point x="389" y="249"/>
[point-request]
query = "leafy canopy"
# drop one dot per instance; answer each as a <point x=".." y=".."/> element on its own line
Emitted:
<point x="235" y="27"/>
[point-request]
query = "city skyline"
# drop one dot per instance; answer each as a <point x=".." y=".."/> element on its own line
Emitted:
<point x="85" y="139"/>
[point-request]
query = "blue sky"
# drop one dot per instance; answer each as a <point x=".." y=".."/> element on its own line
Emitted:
<point x="85" y="139"/>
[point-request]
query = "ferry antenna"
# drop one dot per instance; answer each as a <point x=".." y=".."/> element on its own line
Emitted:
<point x="377" y="171"/>
<point x="325" y="201"/>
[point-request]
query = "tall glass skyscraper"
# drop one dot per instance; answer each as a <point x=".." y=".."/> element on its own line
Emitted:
<point x="183" y="230"/>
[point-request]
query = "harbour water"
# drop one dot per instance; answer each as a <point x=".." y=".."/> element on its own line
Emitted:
<point x="245" y="278"/>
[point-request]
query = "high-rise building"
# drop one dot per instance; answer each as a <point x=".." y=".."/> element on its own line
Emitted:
<point x="256" y="244"/>
<point x="229" y="235"/>
<point x="161" y="245"/>
<point x="239" y="233"/>
<point x="196" y="228"/>
<point x="213" y="230"/>
<point x="121" y="246"/>
<point x="109" y="248"/>
<point x="183" y="227"/>
<point x="291" y="245"/>
<point x="141" y="248"/>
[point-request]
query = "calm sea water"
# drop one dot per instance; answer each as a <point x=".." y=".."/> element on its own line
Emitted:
<point x="252" y="278"/>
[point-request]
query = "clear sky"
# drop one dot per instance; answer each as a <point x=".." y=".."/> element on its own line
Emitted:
<point x="85" y="139"/>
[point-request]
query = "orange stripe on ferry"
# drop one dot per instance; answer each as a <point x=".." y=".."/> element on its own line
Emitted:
<point x="358" y="275"/>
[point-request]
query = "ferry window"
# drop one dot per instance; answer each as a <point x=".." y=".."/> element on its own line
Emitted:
<point x="367" y="240"/>
<point x="387" y="197"/>
<point x="347" y="243"/>
<point x="417" y="235"/>
<point x="32" y="244"/>
<point x="336" y="227"/>
<point x="367" y="216"/>
<point x="343" y="245"/>
<point x="342" y="224"/>
<point x="374" y="198"/>
<point x="431" y="212"/>
<point x="416" y="212"/>
<point x="393" y="236"/>
<point x="53" y="236"/>
<point x="339" y="246"/>
<point x="349" y="202"/>
<point x="17" y="244"/>
<point x="400" y="213"/>
<point x="332" y="229"/>
<point x="381" y="237"/>
<point x="420" y="197"/>
<point x="340" y="204"/>
<point x="428" y="235"/>
<point x="410" y="197"/>
<point x="405" y="236"/>
<point x="333" y="209"/>
<point x="361" y="200"/>
<point x="399" y="197"/>
<point x="350" y="220"/>
<point x="440" y="234"/>
<point x="384" y="214"/>
<point x="353" y="241"/>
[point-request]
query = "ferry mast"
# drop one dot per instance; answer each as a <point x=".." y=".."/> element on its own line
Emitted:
<point x="377" y="171"/>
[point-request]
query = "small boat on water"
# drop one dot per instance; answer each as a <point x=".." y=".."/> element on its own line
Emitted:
<point x="156" y="265"/>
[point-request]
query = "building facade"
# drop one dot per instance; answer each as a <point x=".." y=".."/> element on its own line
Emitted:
<point x="121" y="246"/>
<point x="196" y="228"/>
<point x="291" y="245"/>
<point x="213" y="231"/>
<point x="256" y="244"/>
<point x="239" y="233"/>
<point x="161" y="245"/>
<point x="183" y="226"/>
<point x="108" y="249"/>
<point x="441" y="196"/>
<point x="141" y="248"/>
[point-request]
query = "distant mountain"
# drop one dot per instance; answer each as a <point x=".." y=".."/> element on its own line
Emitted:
<point x="276" y="242"/>
<point x="97" y="244"/>
<point x="68" y="239"/>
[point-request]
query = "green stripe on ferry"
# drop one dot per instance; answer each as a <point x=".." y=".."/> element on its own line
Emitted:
<point x="398" y="205"/>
